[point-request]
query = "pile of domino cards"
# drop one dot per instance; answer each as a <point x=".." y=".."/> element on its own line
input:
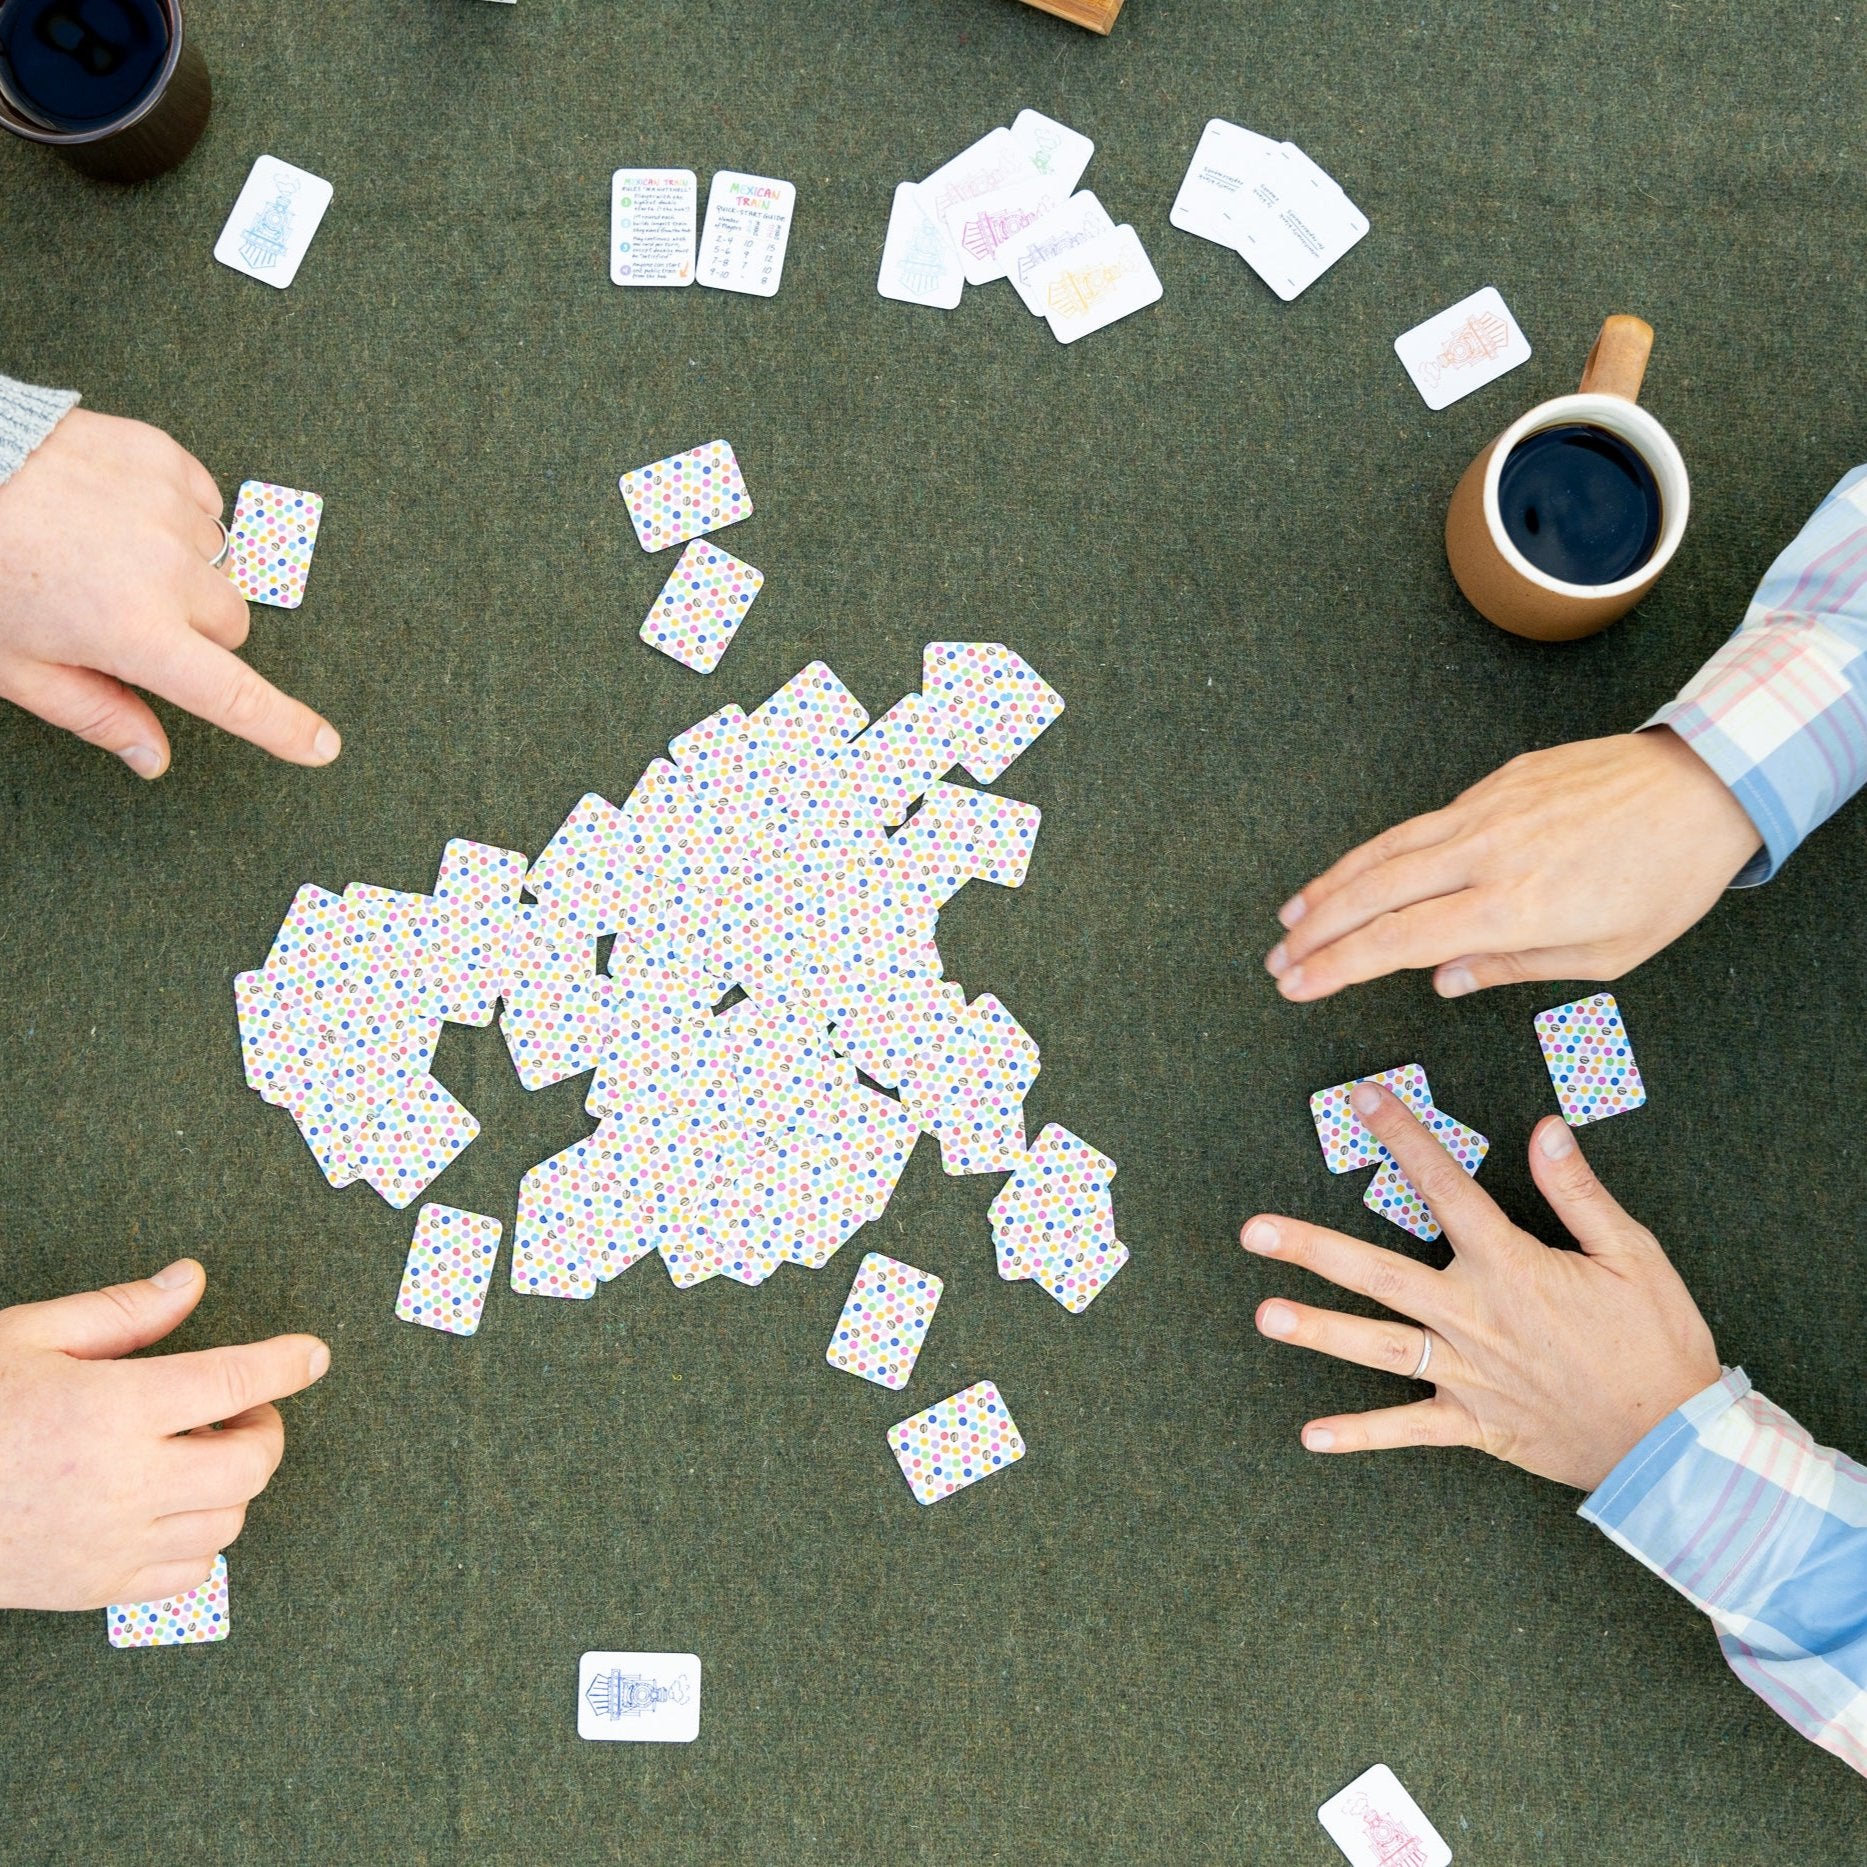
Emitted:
<point x="1009" y="208"/>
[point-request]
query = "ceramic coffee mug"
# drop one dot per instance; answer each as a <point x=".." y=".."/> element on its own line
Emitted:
<point x="151" y="135"/>
<point x="1498" y="580"/>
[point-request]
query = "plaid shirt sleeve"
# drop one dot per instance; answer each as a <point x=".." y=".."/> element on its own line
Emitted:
<point x="1780" y="711"/>
<point x="1730" y="1501"/>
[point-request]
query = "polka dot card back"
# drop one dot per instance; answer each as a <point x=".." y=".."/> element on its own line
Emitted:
<point x="274" y="531"/>
<point x="1591" y="1062"/>
<point x="701" y="606"/>
<point x="181" y="1621"/>
<point x="956" y="1442"/>
<point x="879" y="1334"/>
<point x="686" y="495"/>
<point x="1346" y="1143"/>
<point x="449" y="1270"/>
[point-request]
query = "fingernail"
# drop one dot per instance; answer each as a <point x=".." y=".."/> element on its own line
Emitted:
<point x="1318" y="1438"/>
<point x="1260" y="1235"/>
<point x="1277" y="959"/>
<point x="327" y="745"/>
<point x="1556" y="1141"/>
<point x="1290" y="981"/>
<point x="320" y="1361"/>
<point x="1293" y="911"/>
<point x="144" y="761"/>
<point x="1455" y="982"/>
<point x="1366" y="1098"/>
<point x="175" y="1276"/>
<point x="1278" y="1319"/>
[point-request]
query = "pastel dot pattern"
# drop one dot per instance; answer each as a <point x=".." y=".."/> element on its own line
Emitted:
<point x="1077" y="1267"/>
<point x="960" y="835"/>
<point x="1346" y="1142"/>
<point x="1390" y="1194"/>
<point x="701" y="606"/>
<point x="449" y="1269"/>
<point x="956" y="1442"/>
<point x="884" y="1321"/>
<point x="1057" y="1195"/>
<point x="686" y="495"/>
<point x="412" y="1139"/>
<point x="274" y="532"/>
<point x="1590" y="1060"/>
<point x="185" y="1620"/>
<point x="999" y="702"/>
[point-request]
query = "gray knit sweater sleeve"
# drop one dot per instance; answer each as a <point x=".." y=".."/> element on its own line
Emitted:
<point x="27" y="416"/>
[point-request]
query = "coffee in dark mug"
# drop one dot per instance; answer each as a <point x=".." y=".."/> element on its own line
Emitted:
<point x="1580" y="503"/>
<point x="79" y="64"/>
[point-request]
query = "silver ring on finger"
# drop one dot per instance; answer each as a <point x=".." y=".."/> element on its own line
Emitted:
<point x="1426" y="1356"/>
<point x="226" y="544"/>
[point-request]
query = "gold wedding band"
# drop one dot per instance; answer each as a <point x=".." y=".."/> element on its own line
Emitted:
<point x="1426" y="1356"/>
<point x="226" y="544"/>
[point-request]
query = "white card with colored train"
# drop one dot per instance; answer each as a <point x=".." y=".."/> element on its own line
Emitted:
<point x="272" y="222"/>
<point x="1462" y="348"/>
<point x="639" y="1698"/>
<point x="1377" y="1824"/>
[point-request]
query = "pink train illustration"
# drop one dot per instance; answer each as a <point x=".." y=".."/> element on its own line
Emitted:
<point x="1393" y="1842"/>
<point x="985" y="233"/>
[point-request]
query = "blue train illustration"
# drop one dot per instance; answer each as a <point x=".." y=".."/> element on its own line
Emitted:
<point x="619" y="1694"/>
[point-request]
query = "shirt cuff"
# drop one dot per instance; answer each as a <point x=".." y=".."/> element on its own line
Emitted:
<point x="27" y="416"/>
<point x="1645" y="1474"/>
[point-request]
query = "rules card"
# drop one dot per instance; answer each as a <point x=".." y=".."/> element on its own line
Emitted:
<point x="920" y="265"/>
<point x="1218" y="182"/>
<point x="639" y="1698"/>
<point x="272" y="222"/>
<point x="651" y="226"/>
<point x="1377" y="1824"/>
<point x="1466" y="346"/>
<point x="748" y="228"/>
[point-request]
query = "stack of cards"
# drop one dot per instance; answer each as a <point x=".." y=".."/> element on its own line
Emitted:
<point x="741" y="248"/>
<point x="1007" y="208"/>
<point x="1286" y="217"/>
<point x="1053" y="1221"/>
<point x="788" y="859"/>
<point x="1347" y="1145"/>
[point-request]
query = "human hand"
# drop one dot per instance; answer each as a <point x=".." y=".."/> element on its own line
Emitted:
<point x="1558" y="1361"/>
<point x="1577" y="862"/>
<point x="106" y="537"/>
<point x="110" y="1489"/>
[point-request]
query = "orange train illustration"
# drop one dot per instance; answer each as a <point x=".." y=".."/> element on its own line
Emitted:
<point x="1481" y="337"/>
<point x="1073" y="293"/>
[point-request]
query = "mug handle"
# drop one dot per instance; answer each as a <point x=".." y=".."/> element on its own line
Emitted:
<point x="1619" y="359"/>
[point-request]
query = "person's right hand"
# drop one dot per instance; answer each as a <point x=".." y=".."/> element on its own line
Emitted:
<point x="110" y="1488"/>
<point x="1576" y="862"/>
<point x="107" y="533"/>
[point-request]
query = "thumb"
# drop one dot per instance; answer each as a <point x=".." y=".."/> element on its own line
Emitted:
<point x="1597" y="1221"/>
<point x="1477" y="972"/>
<point x="100" y="1325"/>
<point x="102" y="712"/>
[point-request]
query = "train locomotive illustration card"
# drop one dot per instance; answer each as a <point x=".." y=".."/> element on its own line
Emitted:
<point x="1462" y="348"/>
<point x="638" y="1698"/>
<point x="272" y="222"/>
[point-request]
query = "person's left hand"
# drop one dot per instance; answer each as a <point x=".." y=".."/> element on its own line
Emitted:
<point x="1558" y="1361"/>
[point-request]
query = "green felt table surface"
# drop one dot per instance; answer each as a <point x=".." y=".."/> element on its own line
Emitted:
<point x="1168" y="1634"/>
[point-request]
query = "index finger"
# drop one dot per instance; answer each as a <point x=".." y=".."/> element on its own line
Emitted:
<point x="215" y="684"/>
<point x="1402" y="840"/>
<point x="221" y="1384"/>
<point x="1473" y="1220"/>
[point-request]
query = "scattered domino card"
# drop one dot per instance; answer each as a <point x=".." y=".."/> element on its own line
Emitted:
<point x="1097" y="283"/>
<point x="885" y="1320"/>
<point x="449" y="1269"/>
<point x="1346" y="1142"/>
<point x="686" y="495"/>
<point x="956" y="1442"/>
<point x="270" y="542"/>
<point x="1377" y="1824"/>
<point x="920" y="265"/>
<point x="1466" y="346"/>
<point x="1030" y="255"/>
<point x="748" y="228"/>
<point x="651" y="226"/>
<point x="980" y="225"/>
<point x="1590" y="1060"/>
<point x="701" y="606"/>
<point x="994" y="161"/>
<point x="185" y="1620"/>
<point x="638" y="1698"/>
<point x="272" y="222"/>
<point x="1053" y="149"/>
<point x="1218" y="182"/>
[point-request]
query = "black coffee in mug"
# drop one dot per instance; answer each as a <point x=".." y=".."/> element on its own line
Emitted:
<point x="1580" y="503"/>
<point x="79" y="64"/>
